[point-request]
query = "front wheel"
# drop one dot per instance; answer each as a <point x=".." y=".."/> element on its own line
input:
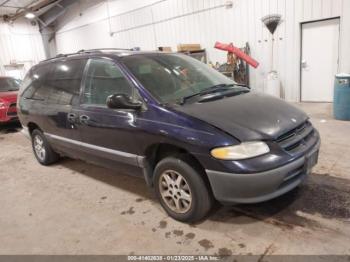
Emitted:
<point x="182" y="190"/>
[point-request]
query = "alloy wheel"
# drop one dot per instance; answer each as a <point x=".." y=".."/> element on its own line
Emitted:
<point x="175" y="191"/>
<point x="39" y="147"/>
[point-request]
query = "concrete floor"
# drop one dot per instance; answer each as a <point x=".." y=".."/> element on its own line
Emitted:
<point x="77" y="208"/>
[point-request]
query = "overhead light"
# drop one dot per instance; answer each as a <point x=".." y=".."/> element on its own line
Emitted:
<point x="30" y="15"/>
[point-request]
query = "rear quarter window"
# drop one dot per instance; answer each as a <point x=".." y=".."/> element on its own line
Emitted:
<point x="35" y="85"/>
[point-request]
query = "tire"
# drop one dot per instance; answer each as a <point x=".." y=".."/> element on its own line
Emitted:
<point x="46" y="156"/>
<point x="194" y="201"/>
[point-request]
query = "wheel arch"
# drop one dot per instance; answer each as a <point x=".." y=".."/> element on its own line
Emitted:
<point x="32" y="126"/>
<point x="156" y="152"/>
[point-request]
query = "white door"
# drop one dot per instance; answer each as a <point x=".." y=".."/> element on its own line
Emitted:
<point x="319" y="60"/>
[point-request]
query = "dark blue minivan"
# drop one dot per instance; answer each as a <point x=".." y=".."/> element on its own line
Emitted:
<point x="195" y="135"/>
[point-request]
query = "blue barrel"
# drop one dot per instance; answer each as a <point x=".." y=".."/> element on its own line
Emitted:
<point x="341" y="103"/>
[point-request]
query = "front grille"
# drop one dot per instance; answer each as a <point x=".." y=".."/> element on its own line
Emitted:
<point x="293" y="139"/>
<point x="12" y="111"/>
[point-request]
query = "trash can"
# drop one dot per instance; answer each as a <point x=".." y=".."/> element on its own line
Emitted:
<point x="341" y="103"/>
<point x="272" y="85"/>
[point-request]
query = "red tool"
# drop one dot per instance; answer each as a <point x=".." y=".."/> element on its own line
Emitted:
<point x="238" y="52"/>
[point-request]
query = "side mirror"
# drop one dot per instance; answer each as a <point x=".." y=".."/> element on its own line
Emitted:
<point x="122" y="101"/>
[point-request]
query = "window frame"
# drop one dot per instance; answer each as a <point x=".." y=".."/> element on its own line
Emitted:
<point x="135" y="94"/>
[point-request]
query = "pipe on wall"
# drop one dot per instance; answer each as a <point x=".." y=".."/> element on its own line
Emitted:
<point x="153" y="23"/>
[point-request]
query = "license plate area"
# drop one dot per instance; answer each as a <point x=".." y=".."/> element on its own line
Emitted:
<point x="311" y="161"/>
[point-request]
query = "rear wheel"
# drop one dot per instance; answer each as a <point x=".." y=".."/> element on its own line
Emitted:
<point x="42" y="149"/>
<point x="181" y="190"/>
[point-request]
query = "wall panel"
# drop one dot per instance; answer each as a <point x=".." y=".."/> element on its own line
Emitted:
<point x="152" y="23"/>
<point x="20" y="42"/>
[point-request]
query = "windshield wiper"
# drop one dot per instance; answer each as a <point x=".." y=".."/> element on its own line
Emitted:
<point x="242" y="85"/>
<point x="228" y="93"/>
<point x="209" y="90"/>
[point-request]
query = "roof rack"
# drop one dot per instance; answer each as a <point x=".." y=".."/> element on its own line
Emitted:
<point x="101" y="49"/>
<point x="88" y="51"/>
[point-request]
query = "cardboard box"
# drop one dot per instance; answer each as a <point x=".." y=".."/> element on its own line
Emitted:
<point x="188" y="47"/>
<point x="165" y="48"/>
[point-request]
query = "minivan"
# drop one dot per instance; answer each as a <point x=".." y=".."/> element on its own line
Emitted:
<point x="193" y="134"/>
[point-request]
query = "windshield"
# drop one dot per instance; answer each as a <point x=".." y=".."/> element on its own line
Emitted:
<point x="9" y="84"/>
<point x="173" y="77"/>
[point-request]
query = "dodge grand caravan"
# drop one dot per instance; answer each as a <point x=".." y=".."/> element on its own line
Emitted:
<point x="193" y="134"/>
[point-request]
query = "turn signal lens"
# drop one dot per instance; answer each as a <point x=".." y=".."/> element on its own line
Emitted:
<point x="242" y="151"/>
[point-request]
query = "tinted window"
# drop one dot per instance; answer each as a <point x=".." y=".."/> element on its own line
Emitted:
<point x="27" y="81"/>
<point x="9" y="84"/>
<point x="65" y="81"/>
<point x="35" y="84"/>
<point x="103" y="79"/>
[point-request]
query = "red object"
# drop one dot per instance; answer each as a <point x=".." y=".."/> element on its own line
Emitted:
<point x="8" y="110"/>
<point x="238" y="52"/>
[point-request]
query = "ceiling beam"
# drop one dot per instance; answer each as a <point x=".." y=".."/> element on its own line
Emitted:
<point x="31" y="7"/>
<point x="4" y="3"/>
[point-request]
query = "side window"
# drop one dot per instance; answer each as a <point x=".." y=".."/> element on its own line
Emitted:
<point x="65" y="80"/>
<point x="35" y="84"/>
<point x="103" y="79"/>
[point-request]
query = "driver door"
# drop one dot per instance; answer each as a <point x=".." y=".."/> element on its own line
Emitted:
<point x="107" y="134"/>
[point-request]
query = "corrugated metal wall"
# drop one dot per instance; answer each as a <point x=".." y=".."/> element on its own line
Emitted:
<point x="149" y="24"/>
<point x="20" y="43"/>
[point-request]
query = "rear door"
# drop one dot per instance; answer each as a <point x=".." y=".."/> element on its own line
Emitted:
<point x="108" y="135"/>
<point x="64" y="83"/>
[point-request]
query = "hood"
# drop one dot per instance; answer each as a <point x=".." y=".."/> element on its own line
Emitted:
<point x="250" y="116"/>
<point x="10" y="96"/>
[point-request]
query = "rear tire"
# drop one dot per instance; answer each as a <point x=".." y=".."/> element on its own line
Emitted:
<point x="42" y="149"/>
<point x="182" y="190"/>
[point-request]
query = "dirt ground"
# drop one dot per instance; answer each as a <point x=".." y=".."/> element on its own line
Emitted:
<point x="76" y="208"/>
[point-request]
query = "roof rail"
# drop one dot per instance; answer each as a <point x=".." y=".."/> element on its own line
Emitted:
<point x="101" y="49"/>
<point x="89" y="51"/>
<point x="58" y="56"/>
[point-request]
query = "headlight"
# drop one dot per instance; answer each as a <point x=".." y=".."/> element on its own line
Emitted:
<point x="2" y="104"/>
<point x="241" y="151"/>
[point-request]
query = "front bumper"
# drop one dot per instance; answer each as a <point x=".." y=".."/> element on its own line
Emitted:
<point x="259" y="187"/>
<point x="6" y="116"/>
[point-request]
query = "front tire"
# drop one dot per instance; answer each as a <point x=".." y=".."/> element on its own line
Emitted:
<point x="182" y="190"/>
<point x="42" y="149"/>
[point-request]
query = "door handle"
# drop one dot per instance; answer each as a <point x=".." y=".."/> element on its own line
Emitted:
<point x="303" y="64"/>
<point x="84" y="119"/>
<point x="71" y="117"/>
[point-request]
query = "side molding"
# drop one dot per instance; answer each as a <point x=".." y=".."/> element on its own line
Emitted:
<point x="120" y="156"/>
